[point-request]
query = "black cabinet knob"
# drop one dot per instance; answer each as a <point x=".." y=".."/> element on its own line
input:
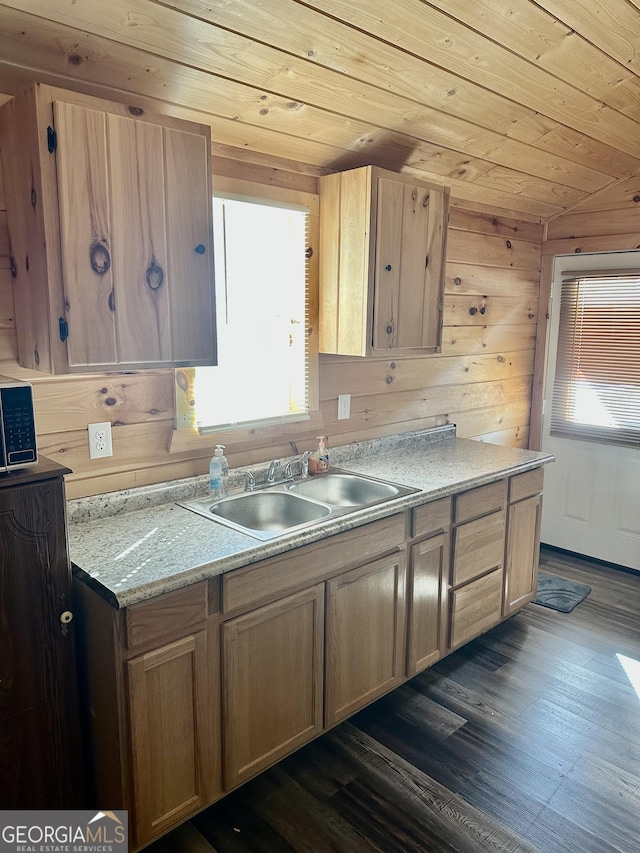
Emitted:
<point x="201" y="249"/>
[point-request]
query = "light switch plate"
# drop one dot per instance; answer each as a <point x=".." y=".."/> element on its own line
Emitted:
<point x="344" y="406"/>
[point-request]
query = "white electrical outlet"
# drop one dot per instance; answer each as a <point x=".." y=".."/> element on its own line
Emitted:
<point x="100" y="440"/>
<point x="344" y="406"/>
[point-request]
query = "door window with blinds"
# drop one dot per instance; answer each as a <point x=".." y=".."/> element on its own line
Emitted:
<point x="262" y="297"/>
<point x="596" y="392"/>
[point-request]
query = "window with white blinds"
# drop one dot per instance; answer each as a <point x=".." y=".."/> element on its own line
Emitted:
<point x="262" y="297"/>
<point x="596" y="392"/>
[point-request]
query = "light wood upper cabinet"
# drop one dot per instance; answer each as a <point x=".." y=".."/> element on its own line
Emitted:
<point x="110" y="222"/>
<point x="382" y="262"/>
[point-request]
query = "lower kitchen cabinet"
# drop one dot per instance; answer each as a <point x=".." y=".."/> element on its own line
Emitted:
<point x="273" y="682"/>
<point x="365" y="635"/>
<point x="175" y="762"/>
<point x="477" y="565"/>
<point x="427" y="602"/>
<point x="151" y="690"/>
<point x="197" y="690"/>
<point x="475" y="607"/>
<point x="523" y="540"/>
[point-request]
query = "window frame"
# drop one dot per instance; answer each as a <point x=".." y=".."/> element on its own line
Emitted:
<point x="585" y="318"/>
<point x="185" y="424"/>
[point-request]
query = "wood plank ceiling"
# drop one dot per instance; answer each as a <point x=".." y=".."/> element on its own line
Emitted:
<point x="524" y="106"/>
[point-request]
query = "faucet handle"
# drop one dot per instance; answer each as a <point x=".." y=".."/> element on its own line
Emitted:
<point x="250" y="483"/>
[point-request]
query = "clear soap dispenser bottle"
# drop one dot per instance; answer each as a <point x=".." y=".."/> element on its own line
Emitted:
<point x="217" y="479"/>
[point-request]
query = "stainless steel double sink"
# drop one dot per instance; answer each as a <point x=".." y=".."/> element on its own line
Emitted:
<point x="290" y="506"/>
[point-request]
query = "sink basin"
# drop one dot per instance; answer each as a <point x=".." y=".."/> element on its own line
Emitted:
<point x="345" y="489"/>
<point x="286" y="507"/>
<point x="262" y="514"/>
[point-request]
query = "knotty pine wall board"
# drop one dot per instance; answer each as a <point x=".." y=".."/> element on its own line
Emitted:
<point x="492" y="251"/>
<point x="132" y="398"/>
<point x="594" y="223"/>
<point x="445" y="404"/>
<point x="482" y="378"/>
<point x="497" y="281"/>
<point x="467" y="340"/>
<point x="514" y="437"/>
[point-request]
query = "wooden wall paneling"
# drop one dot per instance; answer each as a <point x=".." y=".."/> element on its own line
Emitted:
<point x="375" y="377"/>
<point x="515" y="437"/>
<point x="494" y="251"/>
<point x="287" y="175"/>
<point x="540" y="360"/>
<point x="509" y="414"/>
<point x="465" y="278"/>
<point x="596" y="223"/>
<point x="467" y="340"/>
<point x="479" y="310"/>
<point x="625" y="193"/>
<point x="442" y="403"/>
<point x="462" y="218"/>
<point x="128" y="398"/>
<point x="607" y="243"/>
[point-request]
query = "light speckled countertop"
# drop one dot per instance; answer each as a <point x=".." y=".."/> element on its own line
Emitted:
<point x="135" y="545"/>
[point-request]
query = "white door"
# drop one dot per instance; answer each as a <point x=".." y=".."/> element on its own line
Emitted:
<point x="592" y="491"/>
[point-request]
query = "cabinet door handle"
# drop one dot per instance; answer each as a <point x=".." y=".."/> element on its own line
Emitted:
<point x="388" y="267"/>
<point x="100" y="258"/>
<point x="201" y="249"/>
<point x="154" y="275"/>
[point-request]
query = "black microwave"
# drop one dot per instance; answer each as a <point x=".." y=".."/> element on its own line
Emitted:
<point x="18" y="447"/>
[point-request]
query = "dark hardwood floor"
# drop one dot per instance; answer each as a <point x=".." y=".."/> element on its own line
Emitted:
<point x="527" y="739"/>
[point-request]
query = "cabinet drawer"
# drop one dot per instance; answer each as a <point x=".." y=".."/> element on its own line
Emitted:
<point x="480" y="501"/>
<point x="475" y="608"/>
<point x="431" y="518"/>
<point x="304" y="566"/>
<point x="166" y="615"/>
<point x="525" y="485"/>
<point x="477" y="547"/>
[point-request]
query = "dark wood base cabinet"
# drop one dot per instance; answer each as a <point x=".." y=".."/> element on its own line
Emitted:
<point x="38" y="705"/>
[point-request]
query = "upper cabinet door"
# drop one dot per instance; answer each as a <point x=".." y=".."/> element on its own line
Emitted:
<point x="142" y="283"/>
<point x="85" y="233"/>
<point x="189" y="217"/>
<point x="382" y="263"/>
<point x="117" y="208"/>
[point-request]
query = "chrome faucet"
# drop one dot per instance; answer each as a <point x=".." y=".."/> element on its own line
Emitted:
<point x="250" y="482"/>
<point x="271" y="473"/>
<point x="302" y="461"/>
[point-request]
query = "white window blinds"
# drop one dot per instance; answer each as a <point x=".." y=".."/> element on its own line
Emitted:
<point x="596" y="393"/>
